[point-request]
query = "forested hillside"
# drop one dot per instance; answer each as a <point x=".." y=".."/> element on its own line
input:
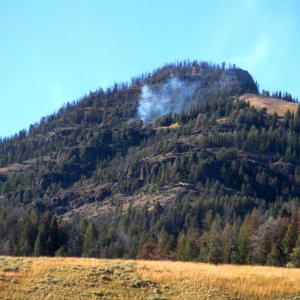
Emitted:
<point x="174" y="165"/>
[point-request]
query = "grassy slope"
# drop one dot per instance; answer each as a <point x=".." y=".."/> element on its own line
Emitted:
<point x="272" y="104"/>
<point x="79" y="278"/>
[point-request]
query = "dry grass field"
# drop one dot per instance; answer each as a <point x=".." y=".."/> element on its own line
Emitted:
<point x="272" y="104"/>
<point x="173" y="126"/>
<point x="80" y="278"/>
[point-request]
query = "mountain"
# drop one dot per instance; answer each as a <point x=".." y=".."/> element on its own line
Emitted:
<point x="181" y="163"/>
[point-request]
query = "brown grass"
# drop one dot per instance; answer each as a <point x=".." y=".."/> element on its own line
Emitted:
<point x="81" y="278"/>
<point x="20" y="167"/>
<point x="272" y="104"/>
<point x="11" y="168"/>
<point x="173" y="126"/>
<point x="243" y="281"/>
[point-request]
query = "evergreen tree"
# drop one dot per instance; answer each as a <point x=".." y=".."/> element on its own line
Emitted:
<point x="295" y="256"/>
<point x="40" y="243"/>
<point x="191" y="251"/>
<point x="181" y="245"/>
<point x="54" y="237"/>
<point x="229" y="244"/>
<point x="244" y="244"/>
<point x="264" y="249"/>
<point x="28" y="233"/>
<point x="274" y="257"/>
<point x="215" y="252"/>
<point x="289" y="240"/>
<point x="90" y="247"/>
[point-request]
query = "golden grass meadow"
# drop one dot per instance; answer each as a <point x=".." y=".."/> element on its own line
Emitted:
<point x="271" y="104"/>
<point x="83" y="278"/>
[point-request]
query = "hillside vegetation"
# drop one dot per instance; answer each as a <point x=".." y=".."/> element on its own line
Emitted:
<point x="73" y="278"/>
<point x="174" y="165"/>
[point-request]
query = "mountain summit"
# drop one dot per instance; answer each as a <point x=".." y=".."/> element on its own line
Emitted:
<point x="66" y="149"/>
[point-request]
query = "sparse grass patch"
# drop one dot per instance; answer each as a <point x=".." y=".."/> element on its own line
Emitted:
<point x="143" y="283"/>
<point x="10" y="264"/>
<point x="123" y="266"/>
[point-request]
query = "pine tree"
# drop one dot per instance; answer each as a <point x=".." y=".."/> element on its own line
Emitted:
<point x="191" y="250"/>
<point x="297" y="119"/>
<point x="53" y="239"/>
<point x="229" y="244"/>
<point x="204" y="247"/>
<point x="215" y="253"/>
<point x="181" y="244"/>
<point x="295" y="256"/>
<point x="244" y="244"/>
<point x="264" y="249"/>
<point x="90" y="248"/>
<point x="289" y="240"/>
<point x="274" y="257"/>
<point x="40" y="243"/>
<point x="27" y="239"/>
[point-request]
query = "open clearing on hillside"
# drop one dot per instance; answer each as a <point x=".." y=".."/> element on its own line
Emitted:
<point x="25" y="166"/>
<point x="173" y="126"/>
<point x="82" y="278"/>
<point x="272" y="104"/>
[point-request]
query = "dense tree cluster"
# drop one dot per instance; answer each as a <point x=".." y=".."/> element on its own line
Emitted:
<point x="280" y="95"/>
<point x="212" y="228"/>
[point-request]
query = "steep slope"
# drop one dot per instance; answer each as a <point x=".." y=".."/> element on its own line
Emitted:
<point x="157" y="168"/>
<point x="55" y="155"/>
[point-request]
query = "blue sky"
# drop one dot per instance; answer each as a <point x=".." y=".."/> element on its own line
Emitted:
<point x="54" y="51"/>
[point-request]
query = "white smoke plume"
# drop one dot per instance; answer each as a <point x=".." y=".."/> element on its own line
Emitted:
<point x="172" y="97"/>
